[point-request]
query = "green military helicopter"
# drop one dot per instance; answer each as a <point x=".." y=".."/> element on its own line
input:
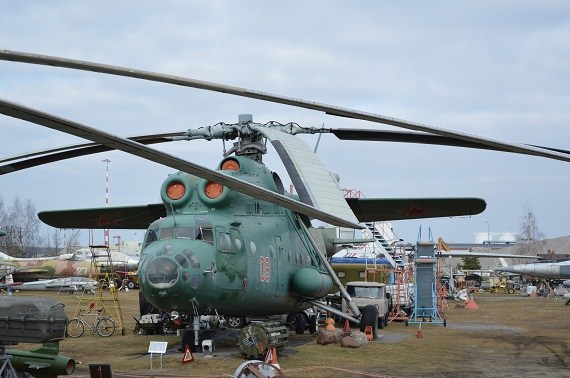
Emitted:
<point x="231" y="241"/>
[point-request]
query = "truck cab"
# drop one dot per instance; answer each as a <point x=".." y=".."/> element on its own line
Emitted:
<point x="369" y="293"/>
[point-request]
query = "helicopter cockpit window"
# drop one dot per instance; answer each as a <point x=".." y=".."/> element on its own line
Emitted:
<point x="205" y="230"/>
<point x="152" y="233"/>
<point x="187" y="233"/>
<point x="224" y="242"/>
<point x="208" y="235"/>
<point x="166" y="233"/>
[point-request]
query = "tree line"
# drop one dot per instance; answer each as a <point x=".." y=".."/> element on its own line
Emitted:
<point x="26" y="236"/>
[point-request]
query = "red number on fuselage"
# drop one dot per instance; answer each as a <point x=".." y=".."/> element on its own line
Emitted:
<point x="264" y="268"/>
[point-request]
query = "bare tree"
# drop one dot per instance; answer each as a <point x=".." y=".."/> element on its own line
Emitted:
<point x="53" y="242"/>
<point x="529" y="230"/>
<point x="59" y="241"/>
<point x="22" y="228"/>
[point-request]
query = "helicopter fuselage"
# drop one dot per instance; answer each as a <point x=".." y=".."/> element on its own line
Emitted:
<point x="218" y="251"/>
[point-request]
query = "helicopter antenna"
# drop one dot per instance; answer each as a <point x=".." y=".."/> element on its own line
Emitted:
<point x="173" y="216"/>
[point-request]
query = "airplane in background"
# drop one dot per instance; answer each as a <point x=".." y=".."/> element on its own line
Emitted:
<point x="543" y="269"/>
<point x="16" y="269"/>
<point x="125" y="261"/>
<point x="78" y="264"/>
<point x="62" y="285"/>
<point x="546" y="269"/>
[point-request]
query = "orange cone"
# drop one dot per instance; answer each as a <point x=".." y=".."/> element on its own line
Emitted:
<point x="471" y="305"/>
<point x="271" y="357"/>
<point x="346" y="326"/>
<point x="368" y="333"/>
<point x="419" y="333"/>
<point x="533" y="294"/>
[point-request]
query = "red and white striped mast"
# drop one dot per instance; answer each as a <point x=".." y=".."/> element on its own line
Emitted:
<point x="106" y="231"/>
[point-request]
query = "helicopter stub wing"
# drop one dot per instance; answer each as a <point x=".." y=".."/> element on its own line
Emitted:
<point x="53" y="122"/>
<point x="387" y="209"/>
<point x="314" y="183"/>
<point x="123" y="217"/>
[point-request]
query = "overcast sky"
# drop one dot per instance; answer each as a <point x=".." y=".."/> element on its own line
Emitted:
<point x="495" y="69"/>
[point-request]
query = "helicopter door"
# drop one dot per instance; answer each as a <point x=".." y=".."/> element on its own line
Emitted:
<point x="231" y="258"/>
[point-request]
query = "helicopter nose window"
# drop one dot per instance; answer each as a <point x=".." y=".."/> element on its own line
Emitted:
<point x="162" y="273"/>
<point x="192" y="258"/>
<point x="182" y="261"/>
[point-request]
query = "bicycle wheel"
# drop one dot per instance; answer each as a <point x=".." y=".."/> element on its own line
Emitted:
<point x="105" y="327"/>
<point x="75" y="328"/>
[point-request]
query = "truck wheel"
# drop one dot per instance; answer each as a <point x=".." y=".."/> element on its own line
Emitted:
<point x="313" y="324"/>
<point x="300" y="323"/>
<point x="369" y="318"/>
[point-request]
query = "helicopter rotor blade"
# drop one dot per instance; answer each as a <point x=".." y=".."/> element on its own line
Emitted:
<point x="243" y="92"/>
<point x="34" y="159"/>
<point x="419" y="138"/>
<point x="53" y="122"/>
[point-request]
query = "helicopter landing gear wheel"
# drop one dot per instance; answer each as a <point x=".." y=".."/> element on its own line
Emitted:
<point x="235" y="321"/>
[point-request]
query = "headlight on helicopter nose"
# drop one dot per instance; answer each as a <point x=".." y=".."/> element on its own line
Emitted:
<point x="162" y="273"/>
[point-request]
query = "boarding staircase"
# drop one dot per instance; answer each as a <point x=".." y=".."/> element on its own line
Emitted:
<point x="385" y="240"/>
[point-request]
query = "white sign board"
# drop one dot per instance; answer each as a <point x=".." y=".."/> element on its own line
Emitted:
<point x="157" y="347"/>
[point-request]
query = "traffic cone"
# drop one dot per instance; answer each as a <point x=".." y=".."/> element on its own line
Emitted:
<point x="346" y="328"/>
<point x="187" y="357"/>
<point x="271" y="357"/>
<point x="533" y="294"/>
<point x="419" y="333"/>
<point x="368" y="333"/>
<point x="471" y="305"/>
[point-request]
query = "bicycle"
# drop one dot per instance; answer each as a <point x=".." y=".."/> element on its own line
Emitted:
<point x="103" y="325"/>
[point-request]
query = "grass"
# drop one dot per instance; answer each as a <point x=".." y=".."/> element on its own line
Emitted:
<point x="507" y="335"/>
